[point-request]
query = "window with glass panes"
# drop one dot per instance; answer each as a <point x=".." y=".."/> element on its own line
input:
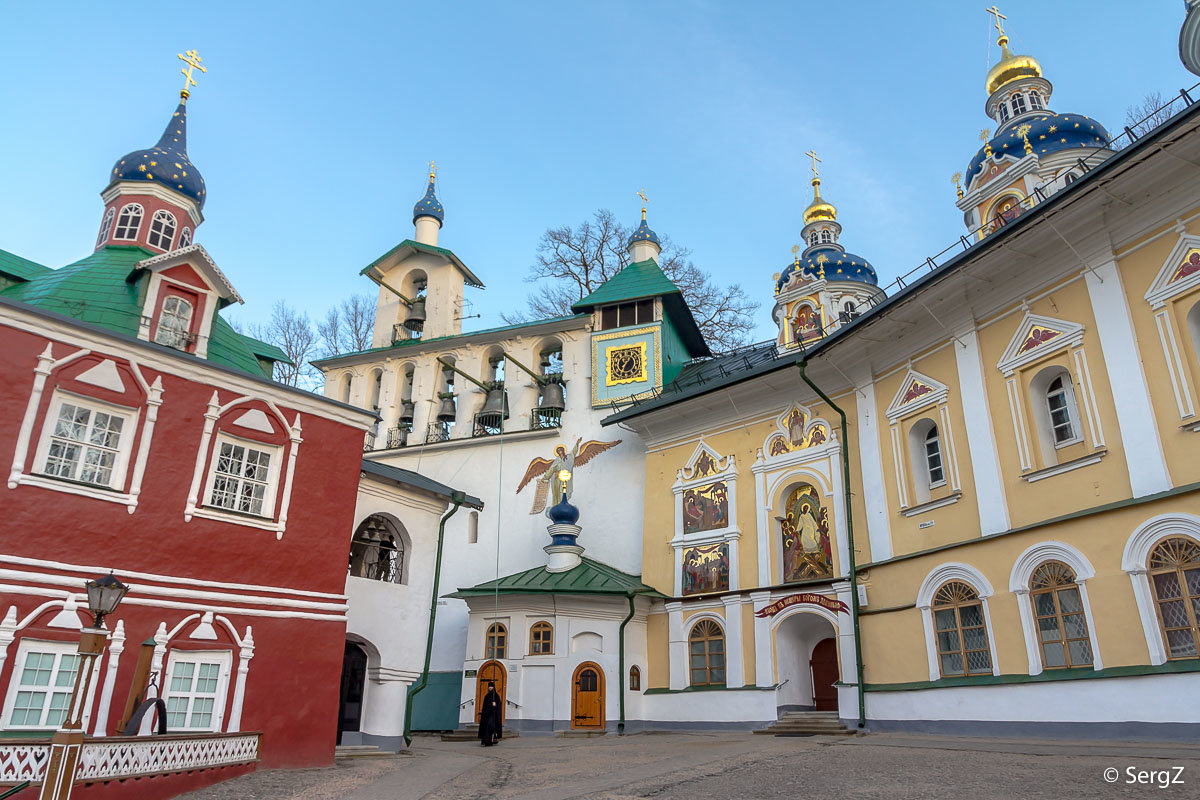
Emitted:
<point x="961" y="633"/>
<point x="84" y="444"/>
<point x="706" y="651"/>
<point x="496" y="645"/>
<point x="1058" y="402"/>
<point x="192" y="694"/>
<point x="638" y="312"/>
<point x="1018" y="103"/>
<point x="1175" y="577"/>
<point x="174" y="323"/>
<point x="162" y="229"/>
<point x="933" y="457"/>
<point x="242" y="478"/>
<point x="43" y="683"/>
<point x="541" y="639"/>
<point x="1058" y="614"/>
<point x="128" y="222"/>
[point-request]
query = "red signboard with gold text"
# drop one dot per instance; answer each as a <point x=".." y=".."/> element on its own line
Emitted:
<point x="824" y="601"/>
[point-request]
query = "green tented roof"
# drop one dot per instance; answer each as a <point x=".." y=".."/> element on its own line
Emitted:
<point x="12" y="264"/>
<point x="96" y="290"/>
<point x="636" y="281"/>
<point x="590" y="577"/>
<point x="472" y="279"/>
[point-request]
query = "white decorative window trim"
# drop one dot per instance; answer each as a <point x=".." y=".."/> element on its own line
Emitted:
<point x="60" y="649"/>
<point x="953" y="571"/>
<point x="137" y="215"/>
<point x="941" y="502"/>
<point x="1018" y="584"/>
<point x="1134" y="563"/>
<point x="1070" y="335"/>
<point x="129" y="416"/>
<point x="1161" y="290"/>
<point x="1175" y="366"/>
<point x="224" y="659"/>
<point x="1068" y="466"/>
<point x="271" y="484"/>
<point x="937" y="394"/>
<point x="798" y="455"/>
<point x="106" y="226"/>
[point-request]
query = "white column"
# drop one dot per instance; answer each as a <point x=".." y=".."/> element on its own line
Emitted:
<point x="116" y="646"/>
<point x="8" y="632"/>
<point x="210" y="422"/>
<point x="1131" y="396"/>
<point x="676" y="646"/>
<point x="293" y="456"/>
<point x="239" y="690"/>
<point x="153" y="401"/>
<point x="40" y="373"/>
<point x="156" y="667"/>
<point x="735" y="564"/>
<point x="841" y="512"/>
<point x="762" y="515"/>
<point x="735" y="672"/>
<point x="764" y="660"/>
<point x="870" y="457"/>
<point x="981" y="442"/>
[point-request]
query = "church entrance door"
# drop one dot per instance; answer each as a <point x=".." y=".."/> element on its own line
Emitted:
<point x="354" y="679"/>
<point x="490" y="671"/>
<point x="824" y="665"/>
<point x="587" y="697"/>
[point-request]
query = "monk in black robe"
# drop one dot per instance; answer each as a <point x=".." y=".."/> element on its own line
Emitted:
<point x="491" y="717"/>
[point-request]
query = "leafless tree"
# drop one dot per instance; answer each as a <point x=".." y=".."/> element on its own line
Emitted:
<point x="293" y="333"/>
<point x="572" y="262"/>
<point x="348" y="327"/>
<point x="1148" y="115"/>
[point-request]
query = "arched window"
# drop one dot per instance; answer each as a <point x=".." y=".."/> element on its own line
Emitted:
<point x="1069" y="178"/>
<point x="962" y="642"/>
<point x="1059" y="618"/>
<point x="1193" y="324"/>
<point x="344" y="393"/>
<point x="377" y="551"/>
<point x="813" y="239"/>
<point x="106" y="226"/>
<point x="162" y="230"/>
<point x="933" y="457"/>
<point x="635" y="679"/>
<point x="1174" y="568"/>
<point x="174" y="323"/>
<point x="496" y="644"/>
<point x="925" y="454"/>
<point x="541" y="639"/>
<point x="826" y="237"/>
<point x="849" y="307"/>
<point x="1018" y="104"/>
<point x="185" y="238"/>
<point x="706" y="651"/>
<point x="1003" y="108"/>
<point x="1035" y="100"/>
<point x="129" y="221"/>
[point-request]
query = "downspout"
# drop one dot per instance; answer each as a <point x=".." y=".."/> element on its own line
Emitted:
<point x="858" y="662"/>
<point x="621" y="665"/>
<point x="457" y="499"/>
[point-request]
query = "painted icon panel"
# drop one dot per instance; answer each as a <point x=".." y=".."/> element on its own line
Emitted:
<point x="806" y="546"/>
<point x="706" y="508"/>
<point x="706" y="569"/>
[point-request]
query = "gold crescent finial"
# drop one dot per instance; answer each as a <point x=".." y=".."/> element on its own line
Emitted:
<point x="192" y="59"/>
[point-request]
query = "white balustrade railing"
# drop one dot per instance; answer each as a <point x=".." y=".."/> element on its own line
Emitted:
<point x="23" y="762"/>
<point x="127" y="757"/>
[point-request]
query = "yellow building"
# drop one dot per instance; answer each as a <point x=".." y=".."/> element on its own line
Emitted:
<point x="1013" y="487"/>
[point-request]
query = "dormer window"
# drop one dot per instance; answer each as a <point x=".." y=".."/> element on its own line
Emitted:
<point x="185" y="238"/>
<point x="162" y="230"/>
<point x="626" y="314"/>
<point x="1018" y="104"/>
<point x="106" y="226"/>
<point x="1035" y="100"/>
<point x="129" y="222"/>
<point x="175" y="323"/>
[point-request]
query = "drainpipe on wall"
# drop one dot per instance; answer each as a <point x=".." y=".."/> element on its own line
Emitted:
<point x="457" y="499"/>
<point x="858" y="662"/>
<point x="621" y="665"/>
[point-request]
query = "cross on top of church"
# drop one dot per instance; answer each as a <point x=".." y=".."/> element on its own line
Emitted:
<point x="995" y="12"/>
<point x="813" y="155"/>
<point x="796" y="253"/>
<point x="432" y="170"/>
<point x="642" y="194"/>
<point x="192" y="59"/>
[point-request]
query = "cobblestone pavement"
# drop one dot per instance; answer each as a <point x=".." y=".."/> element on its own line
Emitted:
<point x="742" y="766"/>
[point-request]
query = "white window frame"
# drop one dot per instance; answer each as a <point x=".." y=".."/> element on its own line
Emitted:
<point x="1066" y="391"/>
<point x="1018" y="104"/>
<point x="826" y="237"/>
<point x="1003" y="109"/>
<point x="170" y="336"/>
<point x="185" y="238"/>
<point x="224" y="658"/>
<point x="129" y="417"/>
<point x="1043" y="420"/>
<point x="1022" y="573"/>
<point x="272" y="483"/>
<point x="944" y="573"/>
<point x="106" y="226"/>
<point x="27" y="646"/>
<point x="1035" y="100"/>
<point x="136" y="219"/>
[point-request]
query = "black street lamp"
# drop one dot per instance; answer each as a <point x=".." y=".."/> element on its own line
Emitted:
<point x="104" y="595"/>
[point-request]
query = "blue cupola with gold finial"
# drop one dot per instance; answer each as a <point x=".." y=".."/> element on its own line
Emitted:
<point x="429" y="205"/>
<point x="644" y="244"/>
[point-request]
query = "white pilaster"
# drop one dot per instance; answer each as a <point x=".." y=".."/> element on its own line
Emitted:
<point x="981" y="442"/>
<point x="764" y="659"/>
<point x="239" y="690"/>
<point x="676" y="646"/>
<point x="763" y="525"/>
<point x="874" y="495"/>
<point x="116" y="646"/>
<point x="735" y="672"/>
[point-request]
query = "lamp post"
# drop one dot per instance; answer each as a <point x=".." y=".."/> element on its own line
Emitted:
<point x="104" y="595"/>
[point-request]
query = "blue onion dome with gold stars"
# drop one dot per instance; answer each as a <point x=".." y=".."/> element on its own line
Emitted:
<point x="166" y="163"/>
<point x="838" y="264"/>
<point x="1048" y="133"/>
<point x="643" y="232"/>
<point x="429" y="205"/>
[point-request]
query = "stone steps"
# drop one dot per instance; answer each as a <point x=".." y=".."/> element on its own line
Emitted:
<point x="360" y="751"/>
<point x="580" y="733"/>
<point x="470" y="733"/>
<point x="807" y="723"/>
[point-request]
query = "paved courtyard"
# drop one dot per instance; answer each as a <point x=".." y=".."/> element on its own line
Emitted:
<point x="743" y="766"/>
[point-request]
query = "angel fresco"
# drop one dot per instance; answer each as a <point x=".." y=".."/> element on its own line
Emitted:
<point x="559" y="472"/>
<point x="806" y="546"/>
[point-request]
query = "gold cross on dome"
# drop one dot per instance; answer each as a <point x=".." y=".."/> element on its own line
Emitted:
<point x="984" y="135"/>
<point x="995" y="12"/>
<point x="642" y="194"/>
<point x="796" y="253"/>
<point x="432" y="170"/>
<point x="192" y="59"/>
<point x="813" y="155"/>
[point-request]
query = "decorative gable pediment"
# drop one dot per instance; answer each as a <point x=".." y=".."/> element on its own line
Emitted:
<point x="705" y="463"/>
<point x="1179" y="273"/>
<point x="796" y="429"/>
<point x="196" y="257"/>
<point x="1037" y="337"/>
<point x="917" y="391"/>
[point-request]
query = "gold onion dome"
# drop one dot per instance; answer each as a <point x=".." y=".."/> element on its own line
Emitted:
<point x="1011" y="67"/>
<point x="818" y="209"/>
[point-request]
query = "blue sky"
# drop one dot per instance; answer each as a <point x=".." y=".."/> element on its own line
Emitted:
<point x="314" y="123"/>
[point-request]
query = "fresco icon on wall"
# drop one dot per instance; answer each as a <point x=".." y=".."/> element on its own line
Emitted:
<point x="706" y="569"/>
<point x="706" y="508"/>
<point x="806" y="546"/>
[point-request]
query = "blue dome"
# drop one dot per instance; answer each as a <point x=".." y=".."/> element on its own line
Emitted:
<point x="564" y="513"/>
<point x="429" y="206"/>
<point x="166" y="163"/>
<point x="841" y="266"/>
<point x="644" y="234"/>
<point x="1048" y="133"/>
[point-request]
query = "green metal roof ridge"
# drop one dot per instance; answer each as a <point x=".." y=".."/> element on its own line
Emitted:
<point x="265" y="349"/>
<point x="21" y="267"/>
<point x="413" y="342"/>
<point x="635" y="281"/>
<point x="472" y="278"/>
<point x="589" y="577"/>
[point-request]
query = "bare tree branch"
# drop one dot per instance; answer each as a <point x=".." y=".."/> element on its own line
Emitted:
<point x="293" y="333"/>
<point x="1147" y="115"/>
<point x="348" y="327"/>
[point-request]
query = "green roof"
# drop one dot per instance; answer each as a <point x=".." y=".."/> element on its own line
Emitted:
<point x="590" y="577"/>
<point x="472" y="280"/>
<point x="636" y="281"/>
<point x="12" y="264"/>
<point x="98" y="290"/>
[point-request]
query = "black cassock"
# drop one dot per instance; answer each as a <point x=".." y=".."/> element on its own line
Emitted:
<point x="491" y="725"/>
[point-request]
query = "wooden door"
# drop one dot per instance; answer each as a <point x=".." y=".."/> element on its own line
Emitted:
<point x="491" y="671"/>
<point x="824" y="665"/>
<point x="354" y="679"/>
<point x="587" y="697"/>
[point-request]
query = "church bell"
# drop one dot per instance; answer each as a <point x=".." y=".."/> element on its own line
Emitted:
<point x="496" y="403"/>
<point x="407" y="409"/>
<point x="446" y="412"/>
<point x="552" y="396"/>
<point x="415" y="320"/>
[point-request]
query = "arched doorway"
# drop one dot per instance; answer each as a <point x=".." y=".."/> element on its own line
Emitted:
<point x="354" y="681"/>
<point x="806" y="662"/>
<point x="587" y="697"/>
<point x="491" y="671"/>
